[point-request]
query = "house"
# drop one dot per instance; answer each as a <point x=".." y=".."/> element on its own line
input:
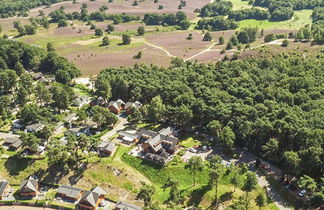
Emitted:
<point x="36" y="75"/>
<point x="130" y="106"/>
<point x="4" y="189"/>
<point x="81" y="101"/>
<point x="127" y="138"/>
<point x="12" y="143"/>
<point x="34" y="127"/>
<point x="116" y="106"/>
<point x="68" y="120"/>
<point x="69" y="193"/>
<point x="91" y="199"/>
<point x="155" y="141"/>
<point x="122" y="205"/>
<point x="47" y="80"/>
<point x="29" y="187"/>
<point x="106" y="148"/>
<point x="98" y="101"/>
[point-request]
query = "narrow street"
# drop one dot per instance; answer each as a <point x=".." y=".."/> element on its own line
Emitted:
<point x="249" y="158"/>
<point x="120" y="126"/>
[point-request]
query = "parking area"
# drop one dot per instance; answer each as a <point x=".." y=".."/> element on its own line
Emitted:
<point x="203" y="153"/>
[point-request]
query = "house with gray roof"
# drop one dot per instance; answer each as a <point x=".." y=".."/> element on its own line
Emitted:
<point x="130" y="106"/>
<point x="4" y="188"/>
<point x="116" y="106"/>
<point x="34" y="127"/>
<point x="106" y="148"/>
<point x="127" y="138"/>
<point x="69" y="193"/>
<point x="122" y="205"/>
<point x="92" y="199"/>
<point x="12" y="143"/>
<point x="29" y="187"/>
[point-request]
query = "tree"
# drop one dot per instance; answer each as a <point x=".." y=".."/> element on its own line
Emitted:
<point x="235" y="181"/>
<point x="270" y="37"/>
<point x="251" y="182"/>
<point x="98" y="32"/>
<point x="229" y="45"/>
<point x="22" y="96"/>
<point x="0" y="29"/>
<point x="62" y="23"/>
<point x="292" y="162"/>
<point x="126" y="39"/>
<point x="105" y="41"/>
<point x="103" y="116"/>
<point x="214" y="128"/>
<point x="261" y="199"/>
<point x="135" y="3"/>
<point x="207" y="37"/>
<point x="195" y="164"/>
<point x="285" y="43"/>
<point x="227" y="137"/>
<point x="135" y="116"/>
<point x="156" y="109"/>
<point x="50" y="47"/>
<point x="146" y="192"/>
<point x="29" y="113"/>
<point x="175" y="195"/>
<point x="103" y="88"/>
<point x="308" y="183"/>
<point x="271" y="150"/>
<point x="42" y="93"/>
<point x="184" y="24"/>
<point x="221" y="40"/>
<point x="110" y="28"/>
<point x="140" y="31"/>
<point x="214" y="176"/>
<point x="30" y="142"/>
<point x="62" y="97"/>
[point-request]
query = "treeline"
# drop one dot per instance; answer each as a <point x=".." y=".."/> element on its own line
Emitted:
<point x="216" y="24"/>
<point x="252" y="13"/>
<point x="273" y="105"/>
<point x="59" y="15"/>
<point x="278" y="10"/>
<point x="179" y="19"/>
<point x="10" y="8"/>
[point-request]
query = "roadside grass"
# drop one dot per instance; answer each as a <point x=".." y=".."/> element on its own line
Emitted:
<point x="300" y="19"/>
<point x="239" y="4"/>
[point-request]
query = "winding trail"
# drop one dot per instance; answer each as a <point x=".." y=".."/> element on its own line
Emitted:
<point x="160" y="48"/>
<point x="202" y="52"/>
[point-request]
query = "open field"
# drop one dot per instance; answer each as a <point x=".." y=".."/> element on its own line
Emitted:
<point x="300" y="19"/>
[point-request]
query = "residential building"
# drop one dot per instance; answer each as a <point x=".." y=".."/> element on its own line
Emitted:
<point x="12" y="143"/>
<point x="4" y="189"/>
<point x="122" y="205"/>
<point x="29" y="187"/>
<point x="34" y="127"/>
<point x="106" y="148"/>
<point x="116" y="106"/>
<point x="68" y="120"/>
<point x="130" y="106"/>
<point x="91" y="200"/>
<point x="81" y="101"/>
<point x="69" y="193"/>
<point x="127" y="138"/>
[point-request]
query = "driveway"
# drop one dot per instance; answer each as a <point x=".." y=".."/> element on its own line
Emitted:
<point x="120" y="126"/>
<point x="249" y="158"/>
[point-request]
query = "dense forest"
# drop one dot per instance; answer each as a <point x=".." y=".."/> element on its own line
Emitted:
<point x="9" y="8"/>
<point x="273" y="105"/>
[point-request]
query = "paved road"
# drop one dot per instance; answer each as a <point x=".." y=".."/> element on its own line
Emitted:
<point x="120" y="126"/>
<point x="249" y="158"/>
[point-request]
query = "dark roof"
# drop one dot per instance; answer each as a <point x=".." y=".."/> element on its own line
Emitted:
<point x="70" y="117"/>
<point x="3" y="186"/>
<point x="69" y="191"/>
<point x="127" y="206"/>
<point x="29" y="184"/>
<point x="90" y="198"/>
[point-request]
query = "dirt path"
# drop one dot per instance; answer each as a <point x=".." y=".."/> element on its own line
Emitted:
<point x="160" y="48"/>
<point x="202" y="52"/>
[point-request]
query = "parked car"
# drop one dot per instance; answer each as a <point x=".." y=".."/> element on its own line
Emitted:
<point x="193" y="150"/>
<point x="302" y="193"/>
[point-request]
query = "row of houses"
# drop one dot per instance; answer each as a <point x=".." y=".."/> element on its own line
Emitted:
<point x="84" y="199"/>
<point x="119" y="105"/>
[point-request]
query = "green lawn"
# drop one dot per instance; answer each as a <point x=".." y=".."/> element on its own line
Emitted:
<point x="300" y="19"/>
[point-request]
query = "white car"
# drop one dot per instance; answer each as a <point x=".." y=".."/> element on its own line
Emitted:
<point x="193" y="150"/>
<point x="302" y="193"/>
